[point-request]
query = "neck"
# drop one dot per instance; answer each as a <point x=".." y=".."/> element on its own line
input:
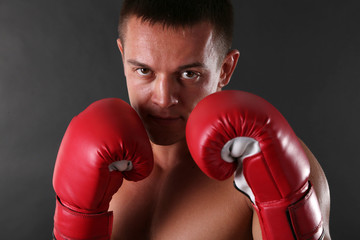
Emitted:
<point x="171" y="156"/>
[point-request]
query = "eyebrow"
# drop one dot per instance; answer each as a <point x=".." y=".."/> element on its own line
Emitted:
<point x="136" y="63"/>
<point x="192" y="65"/>
<point x="183" y="67"/>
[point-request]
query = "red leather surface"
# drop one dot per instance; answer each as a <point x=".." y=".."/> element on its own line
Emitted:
<point x="278" y="175"/>
<point x="228" y="114"/>
<point x="306" y="217"/>
<point x="69" y="224"/>
<point x="108" y="130"/>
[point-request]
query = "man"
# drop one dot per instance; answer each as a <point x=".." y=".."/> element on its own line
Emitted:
<point x="176" y="53"/>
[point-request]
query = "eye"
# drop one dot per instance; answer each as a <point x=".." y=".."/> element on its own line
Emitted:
<point x="143" y="71"/>
<point x="190" y="75"/>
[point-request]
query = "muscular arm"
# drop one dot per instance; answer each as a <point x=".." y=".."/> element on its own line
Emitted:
<point x="320" y="184"/>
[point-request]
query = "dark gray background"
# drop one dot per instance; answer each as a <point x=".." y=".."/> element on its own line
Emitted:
<point x="56" y="57"/>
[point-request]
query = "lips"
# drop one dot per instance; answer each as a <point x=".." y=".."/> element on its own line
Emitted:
<point x="165" y="120"/>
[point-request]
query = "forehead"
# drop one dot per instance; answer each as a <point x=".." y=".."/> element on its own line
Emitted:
<point x="166" y="42"/>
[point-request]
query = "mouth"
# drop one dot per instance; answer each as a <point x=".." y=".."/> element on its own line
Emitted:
<point x="165" y="120"/>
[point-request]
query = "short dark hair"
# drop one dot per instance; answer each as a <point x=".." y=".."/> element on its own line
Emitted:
<point x="183" y="13"/>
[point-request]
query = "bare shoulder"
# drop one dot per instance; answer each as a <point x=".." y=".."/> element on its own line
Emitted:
<point x="321" y="187"/>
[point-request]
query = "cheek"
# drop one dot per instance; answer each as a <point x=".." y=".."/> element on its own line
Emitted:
<point x="138" y="93"/>
<point x="209" y="86"/>
<point x="199" y="92"/>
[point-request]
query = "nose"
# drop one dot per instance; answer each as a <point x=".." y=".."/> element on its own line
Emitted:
<point x="165" y="92"/>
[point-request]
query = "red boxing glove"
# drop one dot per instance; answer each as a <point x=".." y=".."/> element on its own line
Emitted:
<point x="234" y="131"/>
<point x="102" y="145"/>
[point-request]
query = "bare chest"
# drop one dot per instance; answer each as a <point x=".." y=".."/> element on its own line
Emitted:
<point x="180" y="207"/>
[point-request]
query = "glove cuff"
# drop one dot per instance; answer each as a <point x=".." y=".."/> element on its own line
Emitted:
<point x="300" y="220"/>
<point x="306" y="217"/>
<point x="69" y="224"/>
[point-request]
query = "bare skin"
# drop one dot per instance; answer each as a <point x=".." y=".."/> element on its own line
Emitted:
<point x="180" y="202"/>
<point x="168" y="72"/>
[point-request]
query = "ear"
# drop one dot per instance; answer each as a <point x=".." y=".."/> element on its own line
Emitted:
<point x="120" y="46"/>
<point x="121" y="49"/>
<point x="228" y="67"/>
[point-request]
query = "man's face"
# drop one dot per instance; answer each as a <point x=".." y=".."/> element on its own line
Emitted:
<point x="168" y="71"/>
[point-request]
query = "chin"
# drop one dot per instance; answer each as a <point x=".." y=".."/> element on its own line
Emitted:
<point x="166" y="140"/>
<point x="165" y="135"/>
